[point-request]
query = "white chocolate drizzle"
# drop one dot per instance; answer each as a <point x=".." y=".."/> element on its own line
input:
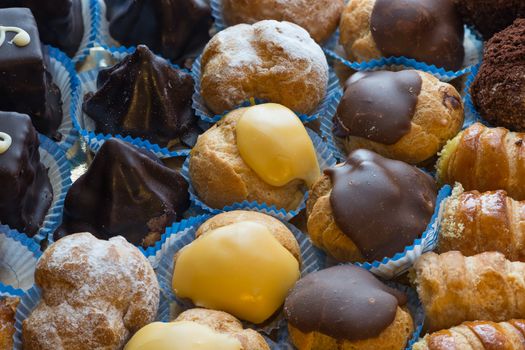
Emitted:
<point x="5" y="142"/>
<point x="21" y="38"/>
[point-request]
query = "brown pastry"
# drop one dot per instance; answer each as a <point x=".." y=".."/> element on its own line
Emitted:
<point x="485" y="159"/>
<point x="454" y="288"/>
<point x="407" y="115"/>
<point x="95" y="295"/>
<point x="369" y="207"/>
<point x="7" y="322"/>
<point x="319" y="17"/>
<point x="475" y="222"/>
<point x="477" y="335"/>
<point x="270" y="60"/>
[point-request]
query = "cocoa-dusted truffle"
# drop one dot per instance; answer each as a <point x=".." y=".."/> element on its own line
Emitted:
<point x="498" y="92"/>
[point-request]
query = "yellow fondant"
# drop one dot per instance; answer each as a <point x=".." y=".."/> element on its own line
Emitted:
<point x="240" y="268"/>
<point x="273" y="142"/>
<point x="182" y="335"/>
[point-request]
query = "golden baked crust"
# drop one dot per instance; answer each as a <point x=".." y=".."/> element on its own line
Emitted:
<point x="95" y="295"/>
<point x="354" y="31"/>
<point x="271" y="60"/>
<point x="438" y="118"/>
<point x="319" y="17"/>
<point x="394" y="337"/>
<point x="225" y="323"/>
<point x="221" y="177"/>
<point x="7" y="322"/>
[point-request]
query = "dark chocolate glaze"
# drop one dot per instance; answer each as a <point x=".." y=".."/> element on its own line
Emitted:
<point x="430" y="31"/>
<point x="26" y="190"/>
<point x="127" y="192"/>
<point x="143" y="96"/>
<point x="25" y="85"/>
<point x="344" y="302"/>
<point x="175" y="29"/>
<point x="378" y="106"/>
<point x="382" y="205"/>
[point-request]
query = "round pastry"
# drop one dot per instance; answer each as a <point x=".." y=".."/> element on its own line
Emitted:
<point x="241" y="262"/>
<point x="429" y="31"/>
<point x="327" y="310"/>
<point x="198" y="329"/>
<point x="260" y="153"/>
<point x="369" y="207"/>
<point x="498" y="90"/>
<point x="407" y="115"/>
<point x="270" y="60"/>
<point x="319" y="17"/>
<point x="8" y="307"/>
<point x="95" y="295"/>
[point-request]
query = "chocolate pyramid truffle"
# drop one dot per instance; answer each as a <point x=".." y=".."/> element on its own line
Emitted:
<point x="59" y="22"/>
<point x="25" y="84"/>
<point x="126" y="191"/>
<point x="26" y="191"/>
<point x="143" y="96"/>
<point x="175" y="29"/>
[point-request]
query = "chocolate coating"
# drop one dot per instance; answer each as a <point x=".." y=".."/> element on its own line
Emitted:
<point x="25" y="85"/>
<point x="126" y="192"/>
<point x="498" y="91"/>
<point x="344" y="302"/>
<point x="175" y="29"/>
<point x="378" y="106"/>
<point x="143" y="96"/>
<point x="429" y="31"/>
<point x="26" y="191"/>
<point x="382" y="205"/>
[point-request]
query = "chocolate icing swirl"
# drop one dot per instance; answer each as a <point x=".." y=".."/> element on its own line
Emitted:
<point x="378" y="106"/>
<point x="382" y="205"/>
<point x="344" y="302"/>
<point x="430" y="31"/>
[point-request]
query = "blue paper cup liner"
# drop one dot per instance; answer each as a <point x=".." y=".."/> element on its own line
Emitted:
<point x="471" y="114"/>
<point x="472" y="43"/>
<point x="183" y="233"/>
<point x="18" y="257"/>
<point x="207" y="115"/>
<point x="91" y="16"/>
<point x="324" y="157"/>
<point x="86" y="126"/>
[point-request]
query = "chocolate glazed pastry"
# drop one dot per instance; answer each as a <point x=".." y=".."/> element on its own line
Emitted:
<point x="126" y="191"/>
<point x="429" y="31"/>
<point x="143" y="96"/>
<point x="175" y="29"/>
<point x="26" y="191"/>
<point x="378" y="106"/>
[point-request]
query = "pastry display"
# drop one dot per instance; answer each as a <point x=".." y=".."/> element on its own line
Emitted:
<point x="477" y="335"/>
<point x="174" y="29"/>
<point x="25" y="84"/>
<point x="326" y="310"/>
<point x="125" y="191"/>
<point x="369" y="207"/>
<point x="270" y="60"/>
<point x="7" y="321"/>
<point x="497" y="90"/>
<point x="241" y="262"/>
<point x="407" y="115"/>
<point x="454" y="288"/>
<point x="260" y="153"/>
<point x="26" y="189"/>
<point x="475" y="222"/>
<point x="60" y="22"/>
<point x="95" y="295"/>
<point x="430" y="31"/>
<point x="154" y="99"/>
<point x="198" y="329"/>
<point x="319" y="17"/>
<point x="485" y="159"/>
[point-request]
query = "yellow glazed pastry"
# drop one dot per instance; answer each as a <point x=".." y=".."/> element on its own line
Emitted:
<point x="240" y="268"/>
<point x="273" y="142"/>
